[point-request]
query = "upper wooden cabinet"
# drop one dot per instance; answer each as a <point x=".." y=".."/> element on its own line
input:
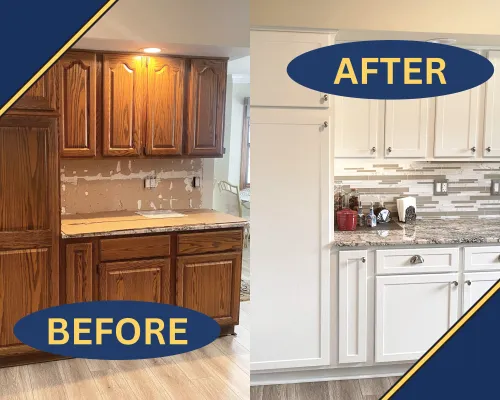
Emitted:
<point x="165" y="106"/>
<point x="41" y="96"/>
<point x="207" y="96"/>
<point x="78" y="85"/>
<point x="124" y="96"/>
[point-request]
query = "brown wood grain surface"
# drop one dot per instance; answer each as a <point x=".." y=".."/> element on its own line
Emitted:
<point x="206" y="104"/>
<point x="209" y="242"/>
<point x="78" y="85"/>
<point x="41" y="96"/>
<point x="129" y="248"/>
<point x="165" y="102"/>
<point x="79" y="272"/>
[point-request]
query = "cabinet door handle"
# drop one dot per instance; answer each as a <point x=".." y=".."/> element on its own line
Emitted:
<point x="389" y="149"/>
<point x="417" y="260"/>
<point x="454" y="283"/>
<point x="325" y="97"/>
<point x="473" y="149"/>
<point x="373" y="149"/>
<point x="363" y="259"/>
<point x="467" y="282"/>
<point x="325" y="124"/>
<point x="488" y="149"/>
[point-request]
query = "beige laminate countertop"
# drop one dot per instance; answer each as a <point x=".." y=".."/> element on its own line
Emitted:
<point x="130" y="223"/>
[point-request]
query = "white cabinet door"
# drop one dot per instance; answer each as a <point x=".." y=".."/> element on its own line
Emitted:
<point x="407" y="127"/>
<point x="271" y="53"/>
<point x="457" y="124"/>
<point x="492" y="113"/>
<point x="413" y="312"/>
<point x="482" y="258"/>
<point x="357" y="126"/>
<point x="475" y="285"/>
<point x="291" y="267"/>
<point x="353" y="332"/>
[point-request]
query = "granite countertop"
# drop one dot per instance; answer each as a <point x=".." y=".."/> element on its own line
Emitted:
<point x="437" y="231"/>
<point x="130" y="223"/>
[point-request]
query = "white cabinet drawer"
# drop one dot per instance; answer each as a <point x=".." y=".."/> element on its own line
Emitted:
<point x="482" y="258"/>
<point x="408" y="261"/>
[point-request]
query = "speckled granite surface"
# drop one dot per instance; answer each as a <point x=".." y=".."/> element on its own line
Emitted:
<point x="436" y="231"/>
<point x="130" y="223"/>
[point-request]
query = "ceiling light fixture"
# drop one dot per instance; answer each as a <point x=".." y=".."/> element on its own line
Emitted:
<point x="443" y="41"/>
<point x="151" y="50"/>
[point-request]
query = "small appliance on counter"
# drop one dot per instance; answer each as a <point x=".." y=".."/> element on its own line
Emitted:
<point x="407" y="209"/>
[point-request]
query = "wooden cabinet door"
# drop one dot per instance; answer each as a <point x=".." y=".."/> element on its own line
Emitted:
<point x="29" y="222"/>
<point x="358" y="123"/>
<point x="79" y="272"/>
<point x="271" y="54"/>
<point x="165" y="106"/>
<point x="145" y="280"/>
<point x="491" y="145"/>
<point x="78" y="85"/>
<point x="353" y="306"/>
<point x="457" y="124"/>
<point x="210" y="284"/>
<point x="475" y="285"/>
<point x="207" y="99"/>
<point x="124" y="96"/>
<point x="405" y="304"/>
<point x="42" y="95"/>
<point x="407" y="128"/>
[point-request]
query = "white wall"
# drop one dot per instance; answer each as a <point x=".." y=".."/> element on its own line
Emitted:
<point x="240" y="91"/>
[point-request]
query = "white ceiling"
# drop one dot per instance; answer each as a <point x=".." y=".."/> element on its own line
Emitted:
<point x="191" y="27"/>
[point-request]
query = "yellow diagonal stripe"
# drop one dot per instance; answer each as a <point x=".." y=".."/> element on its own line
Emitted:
<point x="441" y="341"/>
<point x="56" y="56"/>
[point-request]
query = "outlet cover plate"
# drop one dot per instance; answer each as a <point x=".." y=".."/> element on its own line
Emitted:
<point x="438" y="187"/>
<point x="495" y="188"/>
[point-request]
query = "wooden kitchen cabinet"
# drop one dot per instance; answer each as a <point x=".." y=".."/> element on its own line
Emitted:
<point x="124" y="104"/>
<point x="210" y="284"/>
<point x="79" y="270"/>
<point x="357" y="124"/>
<point x="165" y="106"/>
<point x="141" y="280"/>
<point x="405" y="304"/>
<point x="78" y="92"/>
<point x="41" y="96"/>
<point x="207" y="96"/>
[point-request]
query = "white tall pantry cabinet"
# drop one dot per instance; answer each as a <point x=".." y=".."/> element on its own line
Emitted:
<point x="291" y="207"/>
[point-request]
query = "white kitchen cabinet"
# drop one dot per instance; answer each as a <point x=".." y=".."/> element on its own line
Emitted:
<point x="457" y="124"/>
<point x="482" y="258"/>
<point x="358" y="123"/>
<point x="291" y="316"/>
<point x="412" y="312"/>
<point x="491" y="144"/>
<point x="353" y="306"/>
<point x="407" y="127"/>
<point x="475" y="285"/>
<point x="272" y="51"/>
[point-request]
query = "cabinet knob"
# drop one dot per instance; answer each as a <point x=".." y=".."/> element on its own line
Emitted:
<point x="325" y="97"/>
<point x="488" y="149"/>
<point x="454" y="283"/>
<point x="325" y="124"/>
<point x="468" y="282"/>
<point x="417" y="260"/>
<point x="389" y="149"/>
<point x="363" y="259"/>
<point x="473" y="149"/>
<point x="373" y="149"/>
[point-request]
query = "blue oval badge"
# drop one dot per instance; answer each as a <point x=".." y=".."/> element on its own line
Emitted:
<point x="390" y="69"/>
<point x="117" y="330"/>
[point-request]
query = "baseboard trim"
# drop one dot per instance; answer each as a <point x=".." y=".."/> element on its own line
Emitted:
<point x="331" y="374"/>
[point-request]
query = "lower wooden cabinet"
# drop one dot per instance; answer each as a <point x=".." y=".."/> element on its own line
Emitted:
<point x="210" y="284"/>
<point x="143" y="280"/>
<point x="79" y="272"/>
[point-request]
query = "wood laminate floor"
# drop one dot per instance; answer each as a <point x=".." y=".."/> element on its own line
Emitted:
<point x="218" y="371"/>
<point x="362" y="389"/>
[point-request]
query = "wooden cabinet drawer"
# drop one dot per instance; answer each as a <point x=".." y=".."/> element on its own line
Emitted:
<point x="408" y="261"/>
<point x="129" y="248"/>
<point x="482" y="258"/>
<point x="209" y="242"/>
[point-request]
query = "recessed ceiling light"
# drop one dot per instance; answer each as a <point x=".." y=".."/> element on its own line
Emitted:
<point x="151" y="50"/>
<point x="443" y="40"/>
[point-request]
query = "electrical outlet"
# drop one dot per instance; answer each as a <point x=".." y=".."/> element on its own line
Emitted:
<point x="495" y="187"/>
<point x="441" y="187"/>
<point x="196" y="182"/>
<point x="150" y="182"/>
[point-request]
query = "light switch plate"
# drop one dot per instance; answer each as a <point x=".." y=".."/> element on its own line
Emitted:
<point x="441" y="187"/>
<point x="495" y="187"/>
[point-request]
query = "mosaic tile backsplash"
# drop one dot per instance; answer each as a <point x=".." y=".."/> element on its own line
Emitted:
<point x="380" y="181"/>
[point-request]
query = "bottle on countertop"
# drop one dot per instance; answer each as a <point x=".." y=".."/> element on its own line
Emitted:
<point x="371" y="219"/>
<point x="361" y="216"/>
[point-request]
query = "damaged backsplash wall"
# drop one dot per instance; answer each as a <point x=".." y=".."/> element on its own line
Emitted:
<point x="382" y="181"/>
<point x="114" y="185"/>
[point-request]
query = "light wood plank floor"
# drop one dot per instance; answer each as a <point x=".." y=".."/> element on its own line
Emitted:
<point x="218" y="371"/>
<point x="362" y="389"/>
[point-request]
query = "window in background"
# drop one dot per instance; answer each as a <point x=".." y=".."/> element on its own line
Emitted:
<point x="245" y="147"/>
